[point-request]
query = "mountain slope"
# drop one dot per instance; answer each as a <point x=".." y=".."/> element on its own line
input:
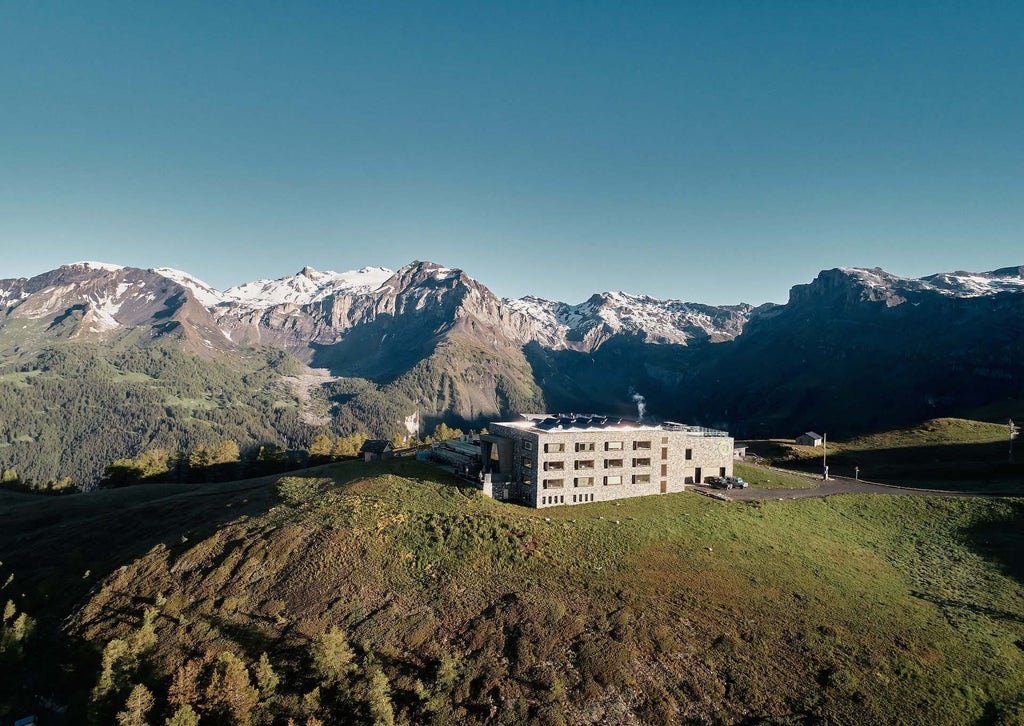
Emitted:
<point x="857" y="351"/>
<point x="673" y="609"/>
<point x="94" y="303"/>
<point x="852" y="351"/>
<point x="100" y="362"/>
<point x="589" y="325"/>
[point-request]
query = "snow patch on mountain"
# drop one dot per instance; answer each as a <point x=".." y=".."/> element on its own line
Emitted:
<point x="100" y="318"/>
<point x="206" y="295"/>
<point x="952" y="284"/>
<point x="107" y="266"/>
<point x="307" y="286"/>
<point x="667" y="321"/>
<point x="967" y="284"/>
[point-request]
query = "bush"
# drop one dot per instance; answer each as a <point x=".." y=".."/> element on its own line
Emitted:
<point x="296" y="490"/>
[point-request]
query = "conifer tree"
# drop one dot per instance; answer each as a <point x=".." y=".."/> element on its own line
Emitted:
<point x="378" y="699"/>
<point x="230" y="691"/>
<point x="184" y="716"/>
<point x="266" y="678"/>
<point x="116" y="661"/>
<point x="139" y="703"/>
<point x="184" y="689"/>
<point x="332" y="656"/>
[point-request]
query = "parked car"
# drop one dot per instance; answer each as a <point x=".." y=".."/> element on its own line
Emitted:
<point x="737" y="482"/>
<point x="717" y="482"/>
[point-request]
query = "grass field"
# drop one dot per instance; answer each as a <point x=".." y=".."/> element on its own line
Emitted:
<point x="944" y="453"/>
<point x="850" y="609"/>
<point x="765" y="478"/>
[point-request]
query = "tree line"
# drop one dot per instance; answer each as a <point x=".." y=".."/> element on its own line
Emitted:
<point x="226" y="461"/>
<point x="229" y="687"/>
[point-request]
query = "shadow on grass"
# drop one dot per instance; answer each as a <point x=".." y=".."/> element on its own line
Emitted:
<point x="969" y="467"/>
<point x="1002" y="541"/>
<point x="947" y="604"/>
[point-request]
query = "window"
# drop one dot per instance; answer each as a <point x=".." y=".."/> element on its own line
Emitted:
<point x="554" y="448"/>
<point x="641" y="478"/>
<point x="573" y="498"/>
<point x="528" y="445"/>
<point x="554" y="483"/>
<point x="613" y="463"/>
<point x="664" y="439"/>
<point x="613" y="480"/>
<point x="641" y="445"/>
<point x="642" y="462"/>
<point x="664" y="454"/>
<point x="584" y="463"/>
<point x="689" y="454"/>
<point x="527" y="462"/>
<point x="554" y="465"/>
<point x="664" y="470"/>
<point x="583" y="481"/>
<point x="613" y="446"/>
<point x="584" y="446"/>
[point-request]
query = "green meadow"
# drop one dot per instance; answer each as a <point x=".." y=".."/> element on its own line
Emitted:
<point x="453" y="608"/>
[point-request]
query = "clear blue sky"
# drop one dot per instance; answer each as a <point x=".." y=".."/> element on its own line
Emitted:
<point x="709" y="151"/>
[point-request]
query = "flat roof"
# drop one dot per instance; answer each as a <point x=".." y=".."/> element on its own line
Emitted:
<point x="575" y="423"/>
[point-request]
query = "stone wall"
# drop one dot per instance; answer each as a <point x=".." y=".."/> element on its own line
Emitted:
<point x="665" y="463"/>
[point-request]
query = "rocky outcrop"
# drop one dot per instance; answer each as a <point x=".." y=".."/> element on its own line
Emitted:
<point x="93" y="302"/>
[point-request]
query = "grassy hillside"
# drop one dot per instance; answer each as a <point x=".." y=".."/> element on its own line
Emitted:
<point x="942" y="453"/>
<point x="386" y="593"/>
<point x="764" y="478"/>
<point x="936" y="432"/>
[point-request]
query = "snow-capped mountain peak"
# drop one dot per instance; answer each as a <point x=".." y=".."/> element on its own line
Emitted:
<point x="951" y="284"/>
<point x="971" y="284"/>
<point x="207" y="296"/>
<point x="606" y="314"/>
<point x="106" y="266"/>
<point x="307" y="286"/>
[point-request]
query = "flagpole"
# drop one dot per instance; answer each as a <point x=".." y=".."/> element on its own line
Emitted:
<point x="824" y="456"/>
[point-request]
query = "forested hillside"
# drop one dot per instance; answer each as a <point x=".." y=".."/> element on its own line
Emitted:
<point x="70" y="410"/>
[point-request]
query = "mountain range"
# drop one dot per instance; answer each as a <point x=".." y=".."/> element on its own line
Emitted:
<point x="166" y="360"/>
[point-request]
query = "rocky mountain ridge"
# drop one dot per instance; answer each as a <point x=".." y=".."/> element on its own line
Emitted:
<point x="853" y="350"/>
<point x="313" y="308"/>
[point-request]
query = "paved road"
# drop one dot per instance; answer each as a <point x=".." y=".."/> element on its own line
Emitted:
<point x="835" y="485"/>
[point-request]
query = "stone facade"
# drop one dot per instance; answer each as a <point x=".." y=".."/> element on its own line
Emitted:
<point x="576" y="463"/>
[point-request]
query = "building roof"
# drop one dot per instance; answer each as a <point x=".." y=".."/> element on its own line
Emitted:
<point x="376" y="446"/>
<point x="553" y="423"/>
<point x="811" y="434"/>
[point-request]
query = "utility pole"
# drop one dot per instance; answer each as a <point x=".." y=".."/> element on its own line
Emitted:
<point x="1013" y="435"/>
<point x="824" y="456"/>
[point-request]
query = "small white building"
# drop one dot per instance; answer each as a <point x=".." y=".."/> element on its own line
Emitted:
<point x="808" y="438"/>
